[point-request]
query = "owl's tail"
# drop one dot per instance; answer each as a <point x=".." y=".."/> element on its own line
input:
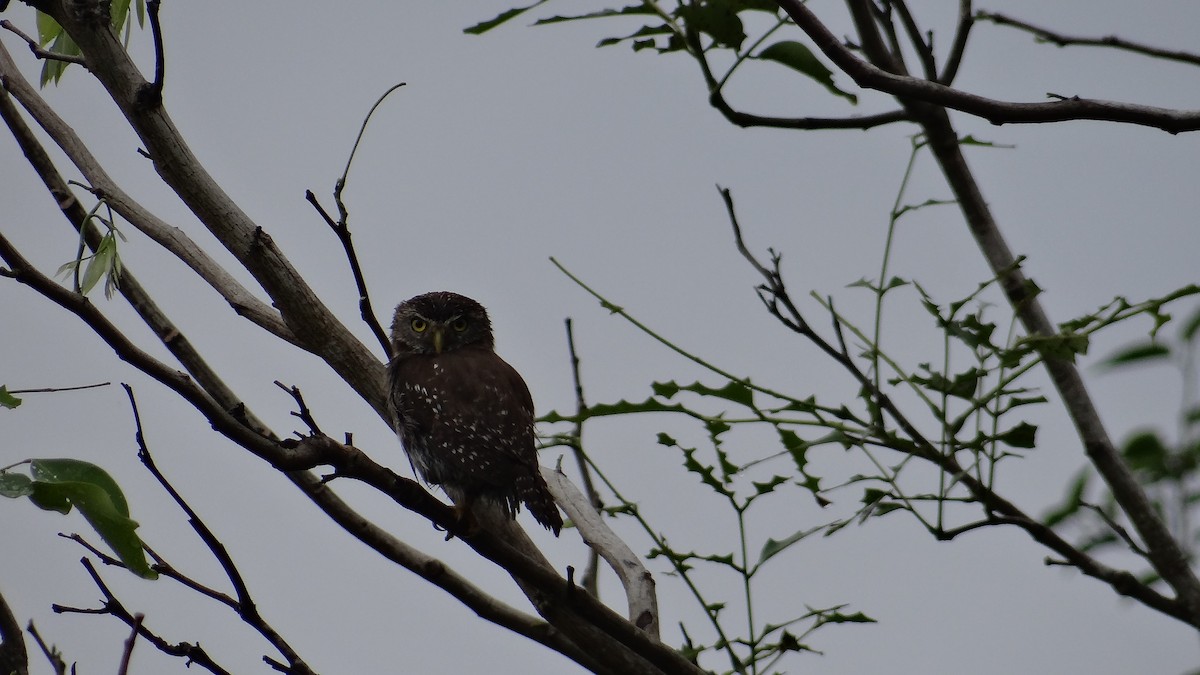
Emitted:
<point x="532" y="490"/>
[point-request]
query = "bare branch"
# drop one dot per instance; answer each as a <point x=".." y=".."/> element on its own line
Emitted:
<point x="871" y="76"/>
<point x="591" y="574"/>
<point x="127" y="652"/>
<point x="193" y="653"/>
<point x="744" y="119"/>
<point x="246" y="608"/>
<point x="1112" y="41"/>
<point x="958" y="46"/>
<point x="52" y="655"/>
<point x="635" y="578"/>
<point x="52" y="390"/>
<point x="342" y="230"/>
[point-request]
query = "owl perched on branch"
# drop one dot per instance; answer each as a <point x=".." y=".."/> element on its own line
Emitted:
<point x="464" y="416"/>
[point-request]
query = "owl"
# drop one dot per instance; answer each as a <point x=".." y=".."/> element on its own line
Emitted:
<point x="464" y="416"/>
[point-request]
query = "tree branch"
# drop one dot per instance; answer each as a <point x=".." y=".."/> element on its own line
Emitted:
<point x="635" y="578"/>
<point x="1112" y="41"/>
<point x="870" y="76"/>
<point x="193" y="653"/>
<point x="312" y="323"/>
<point x="1001" y="511"/>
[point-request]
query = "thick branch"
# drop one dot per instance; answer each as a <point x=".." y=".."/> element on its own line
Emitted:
<point x="870" y="76"/>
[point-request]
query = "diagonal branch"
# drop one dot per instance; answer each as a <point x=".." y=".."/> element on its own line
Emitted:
<point x="312" y="323"/>
<point x="171" y="238"/>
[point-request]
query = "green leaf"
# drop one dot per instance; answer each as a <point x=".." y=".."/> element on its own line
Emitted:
<point x="737" y="392"/>
<point x="1021" y="436"/>
<point x="971" y="140"/>
<point x="838" y="617"/>
<point x="716" y="18"/>
<point x="705" y="472"/>
<point x="1072" y="503"/>
<point x="774" y="547"/>
<point x="1146" y="351"/>
<point x="7" y="400"/>
<point x="74" y="470"/>
<point x="643" y="32"/>
<point x="60" y="484"/>
<point x="800" y="58"/>
<point x="13" y="485"/>
<point x="484" y="26"/>
<point x="632" y="9"/>
<point x="768" y="486"/>
<point x="1147" y="453"/>
<point x="1191" y="327"/>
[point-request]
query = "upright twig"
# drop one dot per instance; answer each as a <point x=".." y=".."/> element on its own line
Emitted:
<point x="49" y="651"/>
<point x="591" y="579"/>
<point x="341" y="227"/>
<point x="127" y="652"/>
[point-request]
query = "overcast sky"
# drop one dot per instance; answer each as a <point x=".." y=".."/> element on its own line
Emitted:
<point x="526" y="143"/>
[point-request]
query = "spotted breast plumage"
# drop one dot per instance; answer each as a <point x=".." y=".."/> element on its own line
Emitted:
<point x="463" y="414"/>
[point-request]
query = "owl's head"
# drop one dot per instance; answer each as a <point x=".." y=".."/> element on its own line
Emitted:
<point x="438" y="322"/>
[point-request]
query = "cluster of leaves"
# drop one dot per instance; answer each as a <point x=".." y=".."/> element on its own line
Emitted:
<point x="52" y="37"/>
<point x="1168" y="469"/>
<point x="700" y="27"/>
<point x="963" y="431"/>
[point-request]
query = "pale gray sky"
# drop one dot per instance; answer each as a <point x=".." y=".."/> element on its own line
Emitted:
<point x="527" y="143"/>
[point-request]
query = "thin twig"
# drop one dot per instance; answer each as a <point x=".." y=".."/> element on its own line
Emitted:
<point x="49" y="651"/>
<point x="591" y="576"/>
<point x="192" y="653"/>
<point x="127" y="653"/>
<point x="958" y="46"/>
<point x="53" y="390"/>
<point x="150" y="94"/>
<point x="1112" y="41"/>
<point x="37" y="49"/>
<point x="246" y="607"/>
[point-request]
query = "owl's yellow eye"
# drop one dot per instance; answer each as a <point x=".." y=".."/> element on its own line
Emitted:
<point x="459" y="325"/>
<point x="419" y="325"/>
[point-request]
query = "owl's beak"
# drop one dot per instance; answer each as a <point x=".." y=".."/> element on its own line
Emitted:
<point x="438" y="339"/>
